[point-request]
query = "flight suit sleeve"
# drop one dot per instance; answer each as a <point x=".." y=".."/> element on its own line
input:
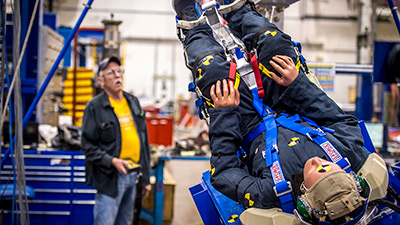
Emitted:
<point x="306" y="99"/>
<point x="229" y="174"/>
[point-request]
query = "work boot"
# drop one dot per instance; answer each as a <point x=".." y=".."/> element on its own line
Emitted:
<point x="188" y="10"/>
<point x="243" y="18"/>
<point x="229" y="2"/>
<point x="228" y="8"/>
<point x="224" y="2"/>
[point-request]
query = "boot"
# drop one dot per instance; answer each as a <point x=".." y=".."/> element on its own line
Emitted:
<point x="188" y="10"/>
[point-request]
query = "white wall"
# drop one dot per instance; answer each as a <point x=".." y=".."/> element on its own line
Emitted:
<point x="325" y="40"/>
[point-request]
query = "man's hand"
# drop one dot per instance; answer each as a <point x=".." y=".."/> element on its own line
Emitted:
<point x="146" y="191"/>
<point x="229" y="97"/>
<point x="286" y="68"/>
<point x="120" y="164"/>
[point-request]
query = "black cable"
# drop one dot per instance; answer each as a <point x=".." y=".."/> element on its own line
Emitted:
<point x="4" y="191"/>
<point x="393" y="206"/>
<point x="2" y="64"/>
<point x="6" y="185"/>
<point x="393" y="193"/>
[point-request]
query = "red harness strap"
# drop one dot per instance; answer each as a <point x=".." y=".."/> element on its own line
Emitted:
<point x="232" y="72"/>
<point x="256" y="70"/>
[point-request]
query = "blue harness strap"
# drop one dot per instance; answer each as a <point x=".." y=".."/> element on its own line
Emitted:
<point x="368" y="145"/>
<point x="318" y="136"/>
<point x="312" y="123"/>
<point x="254" y="133"/>
<point x="282" y="188"/>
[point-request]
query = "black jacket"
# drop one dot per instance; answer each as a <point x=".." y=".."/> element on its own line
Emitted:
<point x="236" y="178"/>
<point x="101" y="142"/>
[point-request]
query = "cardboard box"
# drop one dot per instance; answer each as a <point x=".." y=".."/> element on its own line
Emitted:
<point x="169" y="194"/>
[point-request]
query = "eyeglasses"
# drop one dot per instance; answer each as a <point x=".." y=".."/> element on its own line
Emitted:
<point x="113" y="72"/>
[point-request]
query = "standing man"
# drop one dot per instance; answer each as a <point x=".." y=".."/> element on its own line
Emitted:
<point x="116" y="146"/>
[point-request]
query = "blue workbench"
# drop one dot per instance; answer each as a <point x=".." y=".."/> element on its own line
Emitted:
<point x="58" y="180"/>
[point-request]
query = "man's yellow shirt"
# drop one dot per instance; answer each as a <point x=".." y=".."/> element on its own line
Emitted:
<point x="130" y="146"/>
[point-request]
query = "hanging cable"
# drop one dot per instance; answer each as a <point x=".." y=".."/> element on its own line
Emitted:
<point x="18" y="116"/>
<point x="10" y="116"/>
<point x="12" y="147"/>
<point x="391" y="205"/>
<point x="16" y="46"/>
<point x="3" y="73"/>
<point x="13" y="172"/>
<point x="2" y="65"/>
<point x="19" y="61"/>
<point x="18" y="148"/>
<point x="16" y="80"/>
<point x="393" y="193"/>
<point x="19" y="173"/>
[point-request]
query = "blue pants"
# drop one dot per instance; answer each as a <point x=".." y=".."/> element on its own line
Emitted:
<point x="244" y="23"/>
<point x="119" y="211"/>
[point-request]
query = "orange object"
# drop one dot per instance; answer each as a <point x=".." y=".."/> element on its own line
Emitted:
<point x="160" y="130"/>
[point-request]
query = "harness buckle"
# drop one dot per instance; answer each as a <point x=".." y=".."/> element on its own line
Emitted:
<point x="248" y="56"/>
<point x="275" y="148"/>
<point x="309" y="136"/>
<point x="320" y="133"/>
<point x="270" y="113"/>
<point x="244" y="155"/>
<point x="348" y="164"/>
<point x="179" y="33"/>
<point x="285" y="192"/>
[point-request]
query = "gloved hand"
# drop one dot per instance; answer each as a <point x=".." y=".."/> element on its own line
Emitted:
<point x="286" y="68"/>
<point x="230" y="97"/>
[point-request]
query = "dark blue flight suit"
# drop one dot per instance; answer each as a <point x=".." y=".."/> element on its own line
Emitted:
<point x="249" y="181"/>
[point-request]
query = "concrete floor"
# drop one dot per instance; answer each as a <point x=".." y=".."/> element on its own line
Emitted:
<point x="186" y="173"/>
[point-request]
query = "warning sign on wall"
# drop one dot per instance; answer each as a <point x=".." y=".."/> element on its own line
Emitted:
<point x="325" y="72"/>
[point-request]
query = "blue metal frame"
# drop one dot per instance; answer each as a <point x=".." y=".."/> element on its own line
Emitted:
<point x="29" y="63"/>
<point x="97" y="35"/>
<point x="363" y="102"/>
<point x="28" y="81"/>
<point x="92" y="34"/>
<point x="65" y="31"/>
<point x="395" y="15"/>
<point x="50" y="19"/>
<point x="364" y="105"/>
<point x="159" y="193"/>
